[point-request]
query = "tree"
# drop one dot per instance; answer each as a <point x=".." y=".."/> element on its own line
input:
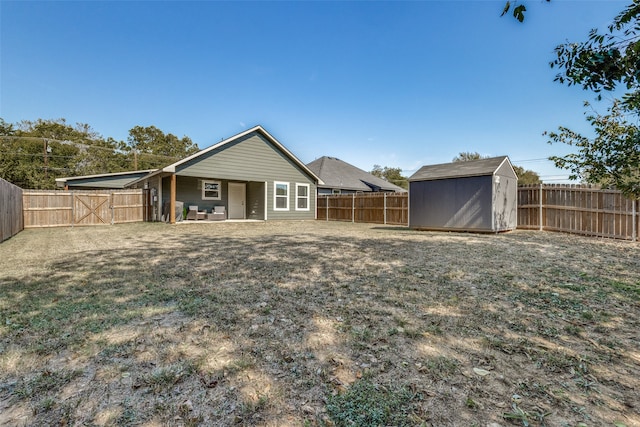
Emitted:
<point x="34" y="153"/>
<point x="611" y="158"/>
<point x="465" y="156"/>
<point x="606" y="61"/>
<point x="392" y="175"/>
<point x="156" y="149"/>
<point x="526" y="176"/>
<point x="603" y="63"/>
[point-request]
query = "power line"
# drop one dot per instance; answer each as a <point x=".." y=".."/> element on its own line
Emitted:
<point x="87" y="146"/>
<point x="532" y="160"/>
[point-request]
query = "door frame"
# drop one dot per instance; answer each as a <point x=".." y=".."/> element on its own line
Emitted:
<point x="243" y="200"/>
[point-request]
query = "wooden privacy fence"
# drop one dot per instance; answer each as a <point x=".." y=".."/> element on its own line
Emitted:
<point x="578" y="209"/>
<point x="11" y="219"/>
<point x="79" y="208"/>
<point x="552" y="207"/>
<point x="376" y="208"/>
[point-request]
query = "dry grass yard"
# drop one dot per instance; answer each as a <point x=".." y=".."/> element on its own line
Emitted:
<point x="317" y="324"/>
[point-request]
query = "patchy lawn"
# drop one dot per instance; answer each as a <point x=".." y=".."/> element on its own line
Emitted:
<point x="314" y="323"/>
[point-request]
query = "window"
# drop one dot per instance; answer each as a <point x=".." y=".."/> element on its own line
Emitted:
<point x="336" y="191"/>
<point x="211" y="190"/>
<point x="302" y="197"/>
<point x="281" y="196"/>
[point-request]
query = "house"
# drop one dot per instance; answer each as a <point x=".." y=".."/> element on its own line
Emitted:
<point x="251" y="174"/>
<point x="477" y="195"/>
<point x="118" y="180"/>
<point x="339" y="177"/>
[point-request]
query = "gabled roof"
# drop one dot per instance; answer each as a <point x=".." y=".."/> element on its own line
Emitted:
<point x="480" y="167"/>
<point x="336" y="173"/>
<point x="259" y="129"/>
<point x="106" y="180"/>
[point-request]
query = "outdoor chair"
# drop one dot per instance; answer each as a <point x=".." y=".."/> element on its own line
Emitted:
<point x="218" y="213"/>
<point x="194" y="214"/>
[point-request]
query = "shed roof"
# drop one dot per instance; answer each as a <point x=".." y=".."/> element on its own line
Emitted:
<point x="106" y="180"/>
<point x="336" y="173"/>
<point x="469" y="168"/>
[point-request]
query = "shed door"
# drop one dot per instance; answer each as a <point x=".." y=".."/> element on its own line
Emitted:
<point x="237" y="196"/>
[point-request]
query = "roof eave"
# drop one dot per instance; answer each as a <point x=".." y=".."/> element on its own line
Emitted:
<point x="172" y="167"/>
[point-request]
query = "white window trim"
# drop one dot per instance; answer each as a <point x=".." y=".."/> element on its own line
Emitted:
<point x="298" y="185"/>
<point x="275" y="195"/>
<point x="204" y="182"/>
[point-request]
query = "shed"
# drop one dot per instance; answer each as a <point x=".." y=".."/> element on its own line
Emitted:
<point x="477" y="195"/>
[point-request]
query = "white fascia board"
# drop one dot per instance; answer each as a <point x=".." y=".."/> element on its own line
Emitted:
<point x="172" y="167"/>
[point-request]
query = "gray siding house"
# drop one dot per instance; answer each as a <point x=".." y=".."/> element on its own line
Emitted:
<point x="340" y="177"/>
<point x="478" y="195"/>
<point x="251" y="174"/>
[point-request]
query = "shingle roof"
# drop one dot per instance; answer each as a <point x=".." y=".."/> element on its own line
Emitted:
<point x="458" y="169"/>
<point x="106" y="180"/>
<point x="259" y="129"/>
<point x="336" y="173"/>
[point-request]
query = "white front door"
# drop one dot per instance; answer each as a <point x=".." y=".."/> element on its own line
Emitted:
<point x="237" y="196"/>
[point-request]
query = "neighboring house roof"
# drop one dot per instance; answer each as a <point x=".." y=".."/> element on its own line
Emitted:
<point x="469" y="168"/>
<point x="336" y="173"/>
<point x="105" y="180"/>
<point x="259" y="129"/>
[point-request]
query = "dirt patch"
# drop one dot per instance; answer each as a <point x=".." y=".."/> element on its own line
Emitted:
<point x="314" y="323"/>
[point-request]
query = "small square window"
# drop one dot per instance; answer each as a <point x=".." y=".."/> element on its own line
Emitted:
<point x="211" y="190"/>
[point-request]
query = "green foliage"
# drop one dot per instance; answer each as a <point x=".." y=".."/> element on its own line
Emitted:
<point x="465" y="156"/>
<point x="605" y="61"/>
<point x="611" y="158"/>
<point x="34" y="153"/>
<point x="367" y="404"/>
<point x="392" y="175"/>
<point x="526" y="176"/>
<point x="164" y="148"/>
<point x="518" y="10"/>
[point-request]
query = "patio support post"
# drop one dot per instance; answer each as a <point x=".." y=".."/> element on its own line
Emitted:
<point x="172" y="207"/>
<point x="159" y="212"/>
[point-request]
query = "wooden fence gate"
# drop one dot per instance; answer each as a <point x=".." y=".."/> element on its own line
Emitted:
<point x="91" y="209"/>
<point x="80" y="208"/>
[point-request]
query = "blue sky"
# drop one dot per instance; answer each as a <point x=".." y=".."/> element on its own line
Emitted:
<point x="394" y="83"/>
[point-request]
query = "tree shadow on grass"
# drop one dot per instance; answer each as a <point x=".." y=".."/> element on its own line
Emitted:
<point x="259" y="330"/>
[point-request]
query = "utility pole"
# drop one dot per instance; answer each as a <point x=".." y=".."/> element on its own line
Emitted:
<point x="46" y="158"/>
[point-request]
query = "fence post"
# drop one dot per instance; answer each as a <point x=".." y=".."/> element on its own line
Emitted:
<point x="385" y="208"/>
<point x="353" y="207"/>
<point x="540" y="209"/>
<point x="634" y="221"/>
<point x="326" y="203"/>
<point x="73" y="209"/>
